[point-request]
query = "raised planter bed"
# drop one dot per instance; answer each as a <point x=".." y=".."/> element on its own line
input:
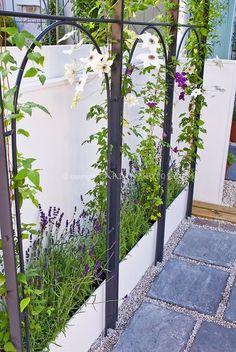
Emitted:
<point x="88" y="323"/>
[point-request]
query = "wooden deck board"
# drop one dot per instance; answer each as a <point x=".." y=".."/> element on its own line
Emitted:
<point x="213" y="211"/>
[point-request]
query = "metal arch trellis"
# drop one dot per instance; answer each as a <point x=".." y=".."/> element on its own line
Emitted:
<point x="115" y="112"/>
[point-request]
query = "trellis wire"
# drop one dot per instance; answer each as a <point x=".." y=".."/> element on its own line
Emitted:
<point x="115" y="113"/>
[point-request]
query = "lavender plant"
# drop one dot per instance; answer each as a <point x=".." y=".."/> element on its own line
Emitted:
<point x="62" y="271"/>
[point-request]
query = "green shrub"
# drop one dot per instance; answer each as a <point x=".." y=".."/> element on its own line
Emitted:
<point x="6" y="22"/>
<point x="231" y="159"/>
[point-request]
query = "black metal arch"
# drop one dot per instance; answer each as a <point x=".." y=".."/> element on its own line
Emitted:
<point x="14" y="142"/>
<point x="114" y="112"/>
<point x="159" y="35"/>
<point x="183" y="37"/>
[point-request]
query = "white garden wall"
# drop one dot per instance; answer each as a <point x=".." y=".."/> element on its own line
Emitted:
<point x="56" y="142"/>
<point x="220" y="85"/>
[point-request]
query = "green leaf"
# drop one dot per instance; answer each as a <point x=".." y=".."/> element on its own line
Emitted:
<point x="32" y="72"/>
<point x="9" y="347"/>
<point x="24" y="303"/>
<point x="19" y="39"/>
<point x="9" y="30"/>
<point x="21" y="175"/>
<point x="2" y="279"/>
<point x="8" y="104"/>
<point x="6" y="57"/>
<point x="34" y="177"/>
<point x="36" y="57"/>
<point x="42" y="79"/>
<point x="28" y="35"/>
<point x="23" y="132"/>
<point x="27" y="107"/>
<point x="22" y="278"/>
<point x="27" y="163"/>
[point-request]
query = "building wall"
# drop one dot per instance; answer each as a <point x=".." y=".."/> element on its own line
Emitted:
<point x="223" y="47"/>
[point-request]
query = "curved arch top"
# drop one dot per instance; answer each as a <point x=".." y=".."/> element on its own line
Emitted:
<point x="39" y="38"/>
<point x="189" y="29"/>
<point x="160" y="37"/>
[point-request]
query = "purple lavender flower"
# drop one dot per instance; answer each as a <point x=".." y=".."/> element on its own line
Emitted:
<point x="50" y="212"/>
<point x="58" y="223"/>
<point x="83" y="214"/>
<point x="98" y="265"/>
<point x="43" y="220"/>
<point x="83" y="249"/>
<point x="86" y="269"/>
<point x="151" y="104"/>
<point x="97" y="226"/>
<point x="91" y="250"/>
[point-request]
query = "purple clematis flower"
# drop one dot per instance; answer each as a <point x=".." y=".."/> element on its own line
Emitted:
<point x="151" y="104"/>
<point x="175" y="149"/>
<point x="130" y="70"/>
<point x="182" y="96"/>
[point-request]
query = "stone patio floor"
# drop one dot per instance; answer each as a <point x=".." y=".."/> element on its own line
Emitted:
<point x="191" y="304"/>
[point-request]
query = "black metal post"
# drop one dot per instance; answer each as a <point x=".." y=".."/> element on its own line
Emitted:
<point x="202" y="54"/>
<point x="8" y="246"/>
<point x="114" y="171"/>
<point x="167" y="127"/>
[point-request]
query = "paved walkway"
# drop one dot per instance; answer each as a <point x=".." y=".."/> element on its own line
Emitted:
<point x="191" y="305"/>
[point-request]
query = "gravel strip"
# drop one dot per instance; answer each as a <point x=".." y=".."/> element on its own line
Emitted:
<point x="225" y="296"/>
<point x="199" y="262"/>
<point x="229" y="193"/>
<point x="193" y="335"/>
<point x="138" y="295"/>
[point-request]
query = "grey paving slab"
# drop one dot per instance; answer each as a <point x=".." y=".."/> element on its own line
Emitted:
<point x="230" y="313"/>
<point x="156" y="329"/>
<point x="209" y="246"/>
<point x="214" y="338"/>
<point x="190" y="285"/>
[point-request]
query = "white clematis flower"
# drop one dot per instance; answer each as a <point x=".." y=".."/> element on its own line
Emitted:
<point x="196" y="92"/>
<point x="67" y="36"/>
<point x="92" y="60"/>
<point x="74" y="48"/>
<point x="103" y="66"/>
<point x="71" y="72"/>
<point x="80" y="84"/>
<point x="150" y="59"/>
<point x="149" y="41"/>
<point x="131" y="100"/>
